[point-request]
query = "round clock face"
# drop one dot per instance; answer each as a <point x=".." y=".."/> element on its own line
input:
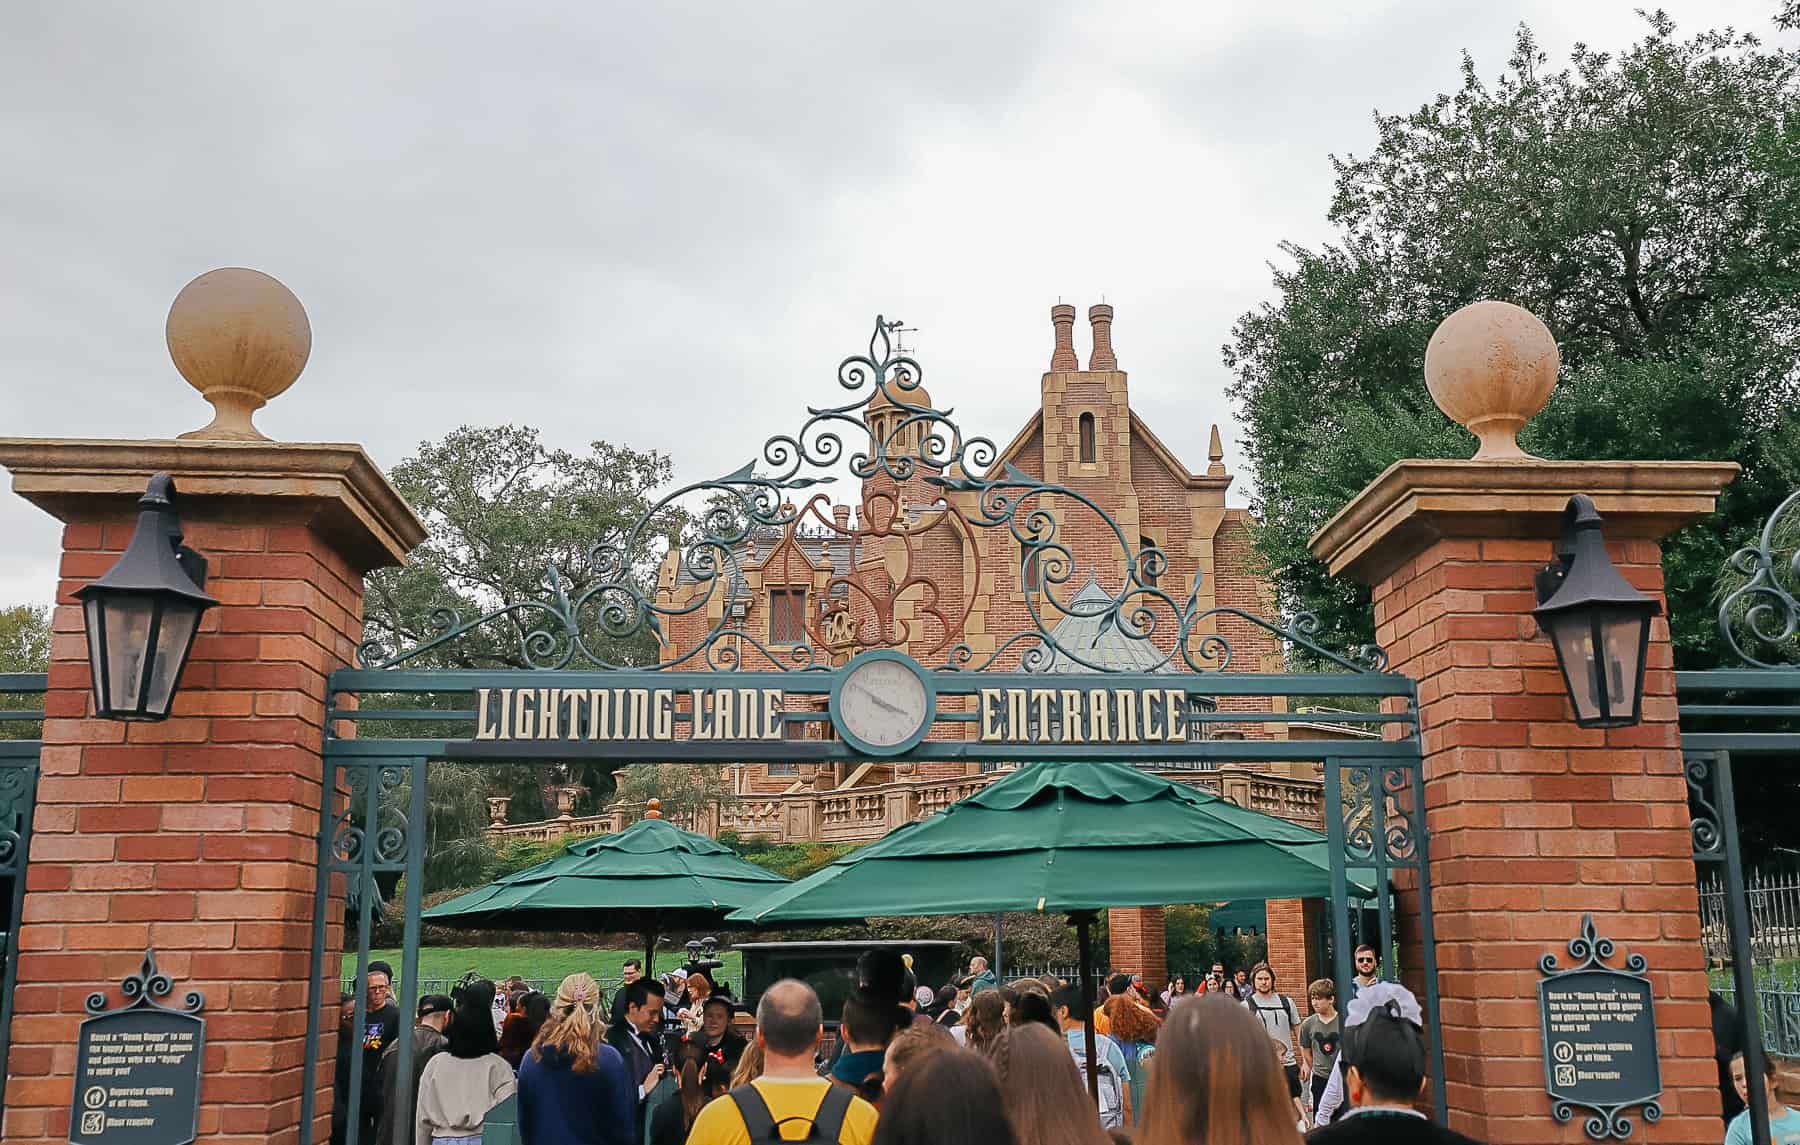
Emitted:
<point x="884" y="704"/>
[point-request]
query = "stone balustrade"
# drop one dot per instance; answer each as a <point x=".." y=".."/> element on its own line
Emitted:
<point x="864" y="814"/>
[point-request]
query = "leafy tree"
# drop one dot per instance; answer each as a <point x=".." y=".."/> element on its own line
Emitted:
<point x="1646" y="205"/>
<point x="24" y="647"/>
<point x="25" y="638"/>
<point x="514" y="524"/>
<point x="684" y="789"/>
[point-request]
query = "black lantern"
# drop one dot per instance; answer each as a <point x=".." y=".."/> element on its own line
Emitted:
<point x="142" y="614"/>
<point x="1599" y="624"/>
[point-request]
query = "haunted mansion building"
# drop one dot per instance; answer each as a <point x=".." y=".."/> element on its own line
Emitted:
<point x="910" y="566"/>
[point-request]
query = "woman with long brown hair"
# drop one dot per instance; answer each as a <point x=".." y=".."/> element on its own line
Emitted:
<point x="984" y="1021"/>
<point x="1215" y="1080"/>
<point x="947" y="1098"/>
<point x="573" y="1087"/>
<point x="1045" y="1099"/>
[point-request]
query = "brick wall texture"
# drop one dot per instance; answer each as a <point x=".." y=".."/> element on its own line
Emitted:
<point x="197" y="836"/>
<point x="1533" y="822"/>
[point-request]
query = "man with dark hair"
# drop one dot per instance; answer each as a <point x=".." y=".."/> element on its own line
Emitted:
<point x="427" y="1039"/>
<point x="1115" y="1077"/>
<point x="1382" y="1058"/>
<point x="865" y="1029"/>
<point x="632" y="971"/>
<point x="789" y="1024"/>
<point x="1366" y="962"/>
<point x="637" y="1036"/>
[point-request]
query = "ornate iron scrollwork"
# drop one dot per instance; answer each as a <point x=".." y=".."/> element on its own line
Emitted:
<point x="1700" y="771"/>
<point x="1763" y="612"/>
<point x="908" y="440"/>
<point x="142" y="991"/>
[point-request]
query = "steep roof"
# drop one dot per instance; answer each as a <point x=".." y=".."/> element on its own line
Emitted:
<point x="1087" y="632"/>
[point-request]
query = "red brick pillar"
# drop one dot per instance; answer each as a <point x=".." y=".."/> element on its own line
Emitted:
<point x="1532" y="820"/>
<point x="1137" y="944"/>
<point x="1292" y="927"/>
<point x="199" y="835"/>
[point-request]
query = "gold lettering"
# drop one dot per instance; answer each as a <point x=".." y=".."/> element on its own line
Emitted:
<point x="1098" y="710"/>
<point x="1125" y="727"/>
<point x="749" y="714"/>
<point x="618" y="695"/>
<point x="1151" y="730"/>
<point x="524" y="720"/>
<point x="574" y="696"/>
<point x="1071" y="716"/>
<point x="701" y="729"/>
<point x="665" y="714"/>
<point x="599" y="711"/>
<point x="1176" y="699"/>
<point x="992" y="703"/>
<point x="640" y="713"/>
<point x="482" y="731"/>
<point x="549" y="701"/>
<point x="1042" y="698"/>
<point x="772" y="698"/>
<point x="1015" y="714"/>
<point x="505" y="706"/>
<point x="725" y="704"/>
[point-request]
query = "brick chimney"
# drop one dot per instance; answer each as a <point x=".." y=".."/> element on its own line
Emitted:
<point x="1100" y="317"/>
<point x="840" y="517"/>
<point x="1062" y="316"/>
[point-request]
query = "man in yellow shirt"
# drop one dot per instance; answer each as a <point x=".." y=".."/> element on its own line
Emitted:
<point x="790" y="1101"/>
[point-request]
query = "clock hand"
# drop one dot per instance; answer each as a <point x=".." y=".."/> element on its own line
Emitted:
<point x="878" y="701"/>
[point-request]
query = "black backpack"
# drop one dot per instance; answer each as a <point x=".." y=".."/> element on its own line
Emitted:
<point x="826" y="1124"/>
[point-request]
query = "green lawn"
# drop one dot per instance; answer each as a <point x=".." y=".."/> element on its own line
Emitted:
<point x="497" y="962"/>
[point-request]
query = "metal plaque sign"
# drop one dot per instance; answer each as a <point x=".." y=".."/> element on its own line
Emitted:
<point x="1599" y="1028"/>
<point x="137" y="1068"/>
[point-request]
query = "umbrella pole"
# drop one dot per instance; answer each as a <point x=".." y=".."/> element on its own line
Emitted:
<point x="649" y="953"/>
<point x="1086" y="954"/>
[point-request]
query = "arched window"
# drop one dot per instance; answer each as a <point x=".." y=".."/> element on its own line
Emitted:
<point x="1085" y="427"/>
<point x="1032" y="576"/>
<point x="1144" y="573"/>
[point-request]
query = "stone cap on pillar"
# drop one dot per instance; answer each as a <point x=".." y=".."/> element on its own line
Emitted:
<point x="334" y="486"/>
<point x="1415" y="503"/>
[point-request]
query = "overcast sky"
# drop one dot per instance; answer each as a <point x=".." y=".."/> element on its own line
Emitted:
<point x="663" y="224"/>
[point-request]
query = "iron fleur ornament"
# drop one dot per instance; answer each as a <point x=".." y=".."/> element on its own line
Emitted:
<point x="1599" y="1027"/>
<point x="777" y="498"/>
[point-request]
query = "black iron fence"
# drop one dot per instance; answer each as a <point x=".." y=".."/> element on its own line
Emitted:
<point x="1773" y="901"/>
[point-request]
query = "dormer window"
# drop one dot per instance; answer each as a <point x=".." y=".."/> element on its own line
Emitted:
<point x="1085" y="433"/>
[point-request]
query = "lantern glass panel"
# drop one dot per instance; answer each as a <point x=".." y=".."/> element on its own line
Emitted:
<point x="1573" y="634"/>
<point x="1622" y="642"/>
<point x="179" y="619"/>
<point x="129" y="619"/>
<point x="95" y="616"/>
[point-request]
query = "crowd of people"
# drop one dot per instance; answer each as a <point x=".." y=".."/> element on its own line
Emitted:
<point x="975" y="1061"/>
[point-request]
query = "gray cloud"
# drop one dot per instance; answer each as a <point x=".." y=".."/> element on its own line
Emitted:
<point x="664" y="224"/>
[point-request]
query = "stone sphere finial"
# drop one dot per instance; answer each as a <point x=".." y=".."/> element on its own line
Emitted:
<point x="239" y="337"/>
<point x="1490" y="367"/>
<point x="653" y="809"/>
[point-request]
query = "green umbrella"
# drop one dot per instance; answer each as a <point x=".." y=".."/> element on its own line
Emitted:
<point x="649" y="878"/>
<point x="1065" y="837"/>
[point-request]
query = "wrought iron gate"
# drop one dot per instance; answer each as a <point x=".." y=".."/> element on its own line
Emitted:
<point x="1138" y="674"/>
<point x="1738" y="718"/>
<point x="21" y="716"/>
